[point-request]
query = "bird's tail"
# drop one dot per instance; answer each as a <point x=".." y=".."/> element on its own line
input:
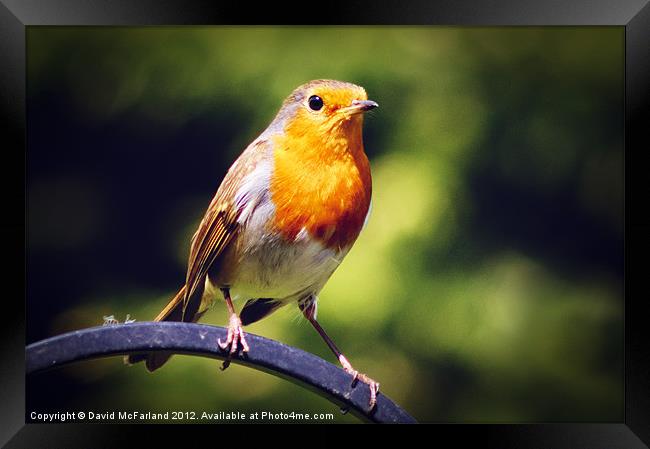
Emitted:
<point x="172" y="312"/>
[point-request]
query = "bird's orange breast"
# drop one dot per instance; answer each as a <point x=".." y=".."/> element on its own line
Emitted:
<point x="321" y="185"/>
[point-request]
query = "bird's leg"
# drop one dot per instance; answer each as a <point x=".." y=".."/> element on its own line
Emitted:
<point x="309" y="310"/>
<point x="235" y="332"/>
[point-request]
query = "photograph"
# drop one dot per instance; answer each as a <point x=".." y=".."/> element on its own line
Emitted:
<point x="425" y="221"/>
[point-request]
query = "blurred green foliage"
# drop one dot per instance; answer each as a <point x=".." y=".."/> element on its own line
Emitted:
<point x="487" y="286"/>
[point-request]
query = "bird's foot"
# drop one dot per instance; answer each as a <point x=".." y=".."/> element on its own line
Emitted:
<point x="236" y="337"/>
<point x="356" y="376"/>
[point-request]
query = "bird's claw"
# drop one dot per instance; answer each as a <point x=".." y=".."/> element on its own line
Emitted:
<point x="235" y="337"/>
<point x="374" y="388"/>
<point x="357" y="376"/>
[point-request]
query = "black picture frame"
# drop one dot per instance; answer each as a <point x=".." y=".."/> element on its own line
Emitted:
<point x="633" y="15"/>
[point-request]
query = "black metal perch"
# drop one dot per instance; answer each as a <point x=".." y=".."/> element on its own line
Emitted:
<point x="266" y="355"/>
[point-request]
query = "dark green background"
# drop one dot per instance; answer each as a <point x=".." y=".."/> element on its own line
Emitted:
<point x="488" y="284"/>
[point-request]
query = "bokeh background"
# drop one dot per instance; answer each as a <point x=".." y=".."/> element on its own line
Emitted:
<point x="488" y="284"/>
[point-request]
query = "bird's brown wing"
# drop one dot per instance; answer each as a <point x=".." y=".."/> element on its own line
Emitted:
<point x="217" y="230"/>
<point x="220" y="224"/>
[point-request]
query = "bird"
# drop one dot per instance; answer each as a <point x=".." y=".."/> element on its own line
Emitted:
<point x="285" y="215"/>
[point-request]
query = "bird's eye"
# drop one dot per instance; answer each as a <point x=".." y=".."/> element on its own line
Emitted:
<point x="315" y="103"/>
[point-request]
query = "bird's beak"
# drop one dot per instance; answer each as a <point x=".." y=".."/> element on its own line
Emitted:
<point x="359" y="106"/>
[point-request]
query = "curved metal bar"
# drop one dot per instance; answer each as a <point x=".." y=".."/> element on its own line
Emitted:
<point x="284" y="361"/>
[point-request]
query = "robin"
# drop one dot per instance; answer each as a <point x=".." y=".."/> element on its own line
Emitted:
<point x="286" y="214"/>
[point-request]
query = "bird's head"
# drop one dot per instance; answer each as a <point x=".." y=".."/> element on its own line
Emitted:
<point x="325" y="110"/>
